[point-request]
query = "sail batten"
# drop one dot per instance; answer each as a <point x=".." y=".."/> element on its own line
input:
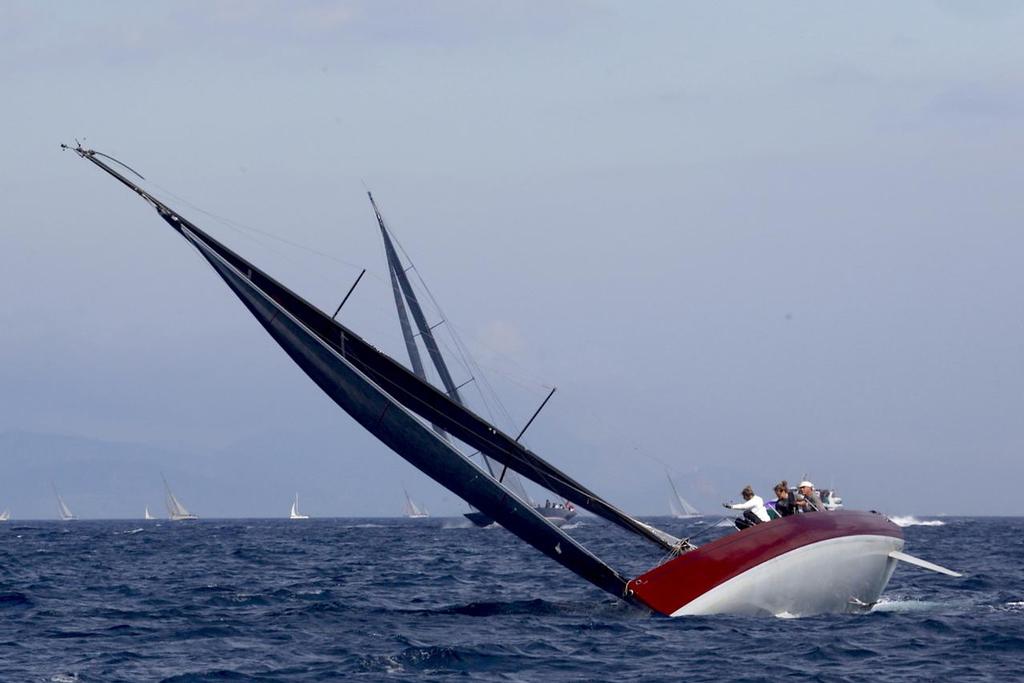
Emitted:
<point x="394" y="380"/>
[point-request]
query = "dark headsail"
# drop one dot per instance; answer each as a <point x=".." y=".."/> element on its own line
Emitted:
<point x="389" y="382"/>
<point x="426" y="333"/>
<point x="403" y="290"/>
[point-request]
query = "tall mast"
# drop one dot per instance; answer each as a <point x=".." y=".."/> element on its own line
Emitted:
<point x="397" y="272"/>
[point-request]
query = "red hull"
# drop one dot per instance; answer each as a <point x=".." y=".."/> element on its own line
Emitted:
<point x="669" y="587"/>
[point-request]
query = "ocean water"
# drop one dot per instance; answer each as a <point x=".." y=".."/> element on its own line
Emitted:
<point x="332" y="599"/>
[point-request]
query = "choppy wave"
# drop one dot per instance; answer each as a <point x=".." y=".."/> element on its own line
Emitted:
<point x="403" y="601"/>
<point x="905" y="521"/>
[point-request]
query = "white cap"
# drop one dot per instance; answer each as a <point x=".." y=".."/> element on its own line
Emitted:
<point x="805" y="483"/>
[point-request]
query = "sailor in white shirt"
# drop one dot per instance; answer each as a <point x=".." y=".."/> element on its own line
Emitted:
<point x="753" y="508"/>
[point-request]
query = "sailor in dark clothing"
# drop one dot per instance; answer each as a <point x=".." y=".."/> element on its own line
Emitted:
<point x="785" y="500"/>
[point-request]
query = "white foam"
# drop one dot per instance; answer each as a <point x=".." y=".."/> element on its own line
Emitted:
<point x="908" y="520"/>
<point x="902" y="605"/>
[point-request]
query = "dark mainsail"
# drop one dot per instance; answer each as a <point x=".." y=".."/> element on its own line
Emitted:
<point x="357" y="375"/>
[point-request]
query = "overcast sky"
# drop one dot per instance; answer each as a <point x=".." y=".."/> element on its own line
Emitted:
<point x="750" y="241"/>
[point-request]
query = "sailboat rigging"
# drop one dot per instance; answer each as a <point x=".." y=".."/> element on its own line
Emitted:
<point x="405" y="298"/>
<point x="396" y="406"/>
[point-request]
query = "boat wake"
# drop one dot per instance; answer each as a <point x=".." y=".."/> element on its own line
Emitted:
<point x="461" y="524"/>
<point x="906" y="605"/>
<point x="907" y="520"/>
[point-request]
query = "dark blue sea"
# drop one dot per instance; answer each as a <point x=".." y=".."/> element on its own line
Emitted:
<point x="332" y="599"/>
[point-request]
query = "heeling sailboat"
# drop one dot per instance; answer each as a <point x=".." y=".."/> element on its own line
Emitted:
<point x="726" y="575"/>
<point x="63" y="511"/>
<point x="5" y="516"/>
<point x="405" y="297"/>
<point x="681" y="509"/>
<point x="412" y="510"/>
<point x="175" y="510"/>
<point x="294" y="513"/>
<point x="146" y="514"/>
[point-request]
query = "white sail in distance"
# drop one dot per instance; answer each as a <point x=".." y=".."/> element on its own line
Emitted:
<point x="294" y="514"/>
<point x="175" y="510"/>
<point x="63" y="511"/>
<point x="412" y="510"/>
<point x="679" y="506"/>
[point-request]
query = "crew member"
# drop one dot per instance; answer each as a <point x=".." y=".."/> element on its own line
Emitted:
<point x="785" y="500"/>
<point x="753" y="508"/>
<point x="808" y="500"/>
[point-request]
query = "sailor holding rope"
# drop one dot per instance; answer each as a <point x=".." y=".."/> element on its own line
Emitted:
<point x="754" y="511"/>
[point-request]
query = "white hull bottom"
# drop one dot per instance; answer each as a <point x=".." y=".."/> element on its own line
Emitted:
<point x="845" y="574"/>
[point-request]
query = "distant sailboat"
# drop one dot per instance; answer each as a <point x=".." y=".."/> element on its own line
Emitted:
<point x="680" y="508"/>
<point x="294" y="514"/>
<point x="175" y="510"/>
<point x="63" y="511"/>
<point x="5" y="515"/>
<point x="148" y="516"/>
<point x="412" y="510"/>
